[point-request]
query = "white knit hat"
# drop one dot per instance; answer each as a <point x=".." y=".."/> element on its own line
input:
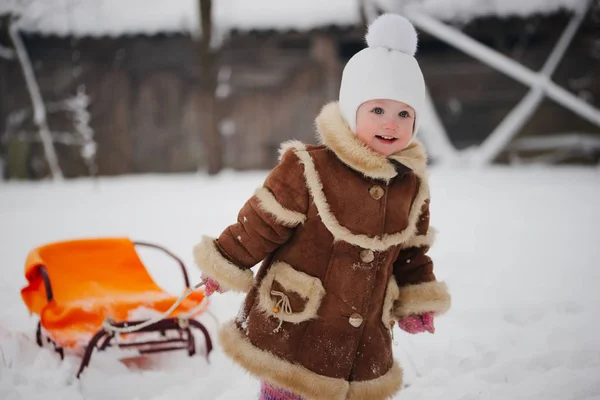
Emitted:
<point x="387" y="69"/>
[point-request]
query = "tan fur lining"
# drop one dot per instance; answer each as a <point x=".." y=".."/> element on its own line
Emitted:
<point x="292" y="145"/>
<point x="391" y="294"/>
<point x="334" y="132"/>
<point x="422" y="240"/>
<point x="268" y="203"/>
<point x="414" y="157"/>
<point x="265" y="365"/>
<point x="309" y="287"/>
<point x="383" y="387"/>
<point x="209" y="259"/>
<point x="423" y="297"/>
<point x="340" y="232"/>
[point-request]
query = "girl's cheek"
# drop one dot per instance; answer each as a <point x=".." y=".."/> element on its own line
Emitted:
<point x="409" y="125"/>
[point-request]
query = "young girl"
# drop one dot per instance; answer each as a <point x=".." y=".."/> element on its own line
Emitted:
<point x="342" y="230"/>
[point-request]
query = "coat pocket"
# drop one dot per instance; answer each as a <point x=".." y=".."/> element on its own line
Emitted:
<point x="290" y="295"/>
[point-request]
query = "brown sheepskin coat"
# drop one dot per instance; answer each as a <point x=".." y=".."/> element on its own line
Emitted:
<point x="342" y="233"/>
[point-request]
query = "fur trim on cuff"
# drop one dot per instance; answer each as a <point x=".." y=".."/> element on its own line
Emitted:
<point x="212" y="263"/>
<point x="422" y="298"/>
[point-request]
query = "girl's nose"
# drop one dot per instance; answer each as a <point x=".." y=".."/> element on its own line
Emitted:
<point x="390" y="125"/>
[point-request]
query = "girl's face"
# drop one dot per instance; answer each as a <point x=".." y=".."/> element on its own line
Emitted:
<point x="385" y="126"/>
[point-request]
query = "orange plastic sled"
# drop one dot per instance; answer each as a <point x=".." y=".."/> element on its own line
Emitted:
<point x="75" y="286"/>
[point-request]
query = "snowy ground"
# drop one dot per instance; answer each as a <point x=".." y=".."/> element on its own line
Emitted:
<point x="519" y="249"/>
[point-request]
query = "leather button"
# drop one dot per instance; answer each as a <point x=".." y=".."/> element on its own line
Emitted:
<point x="355" y="320"/>
<point x="367" y="255"/>
<point x="376" y="192"/>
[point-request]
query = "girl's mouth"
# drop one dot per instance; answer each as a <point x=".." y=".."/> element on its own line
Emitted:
<point x="386" y="139"/>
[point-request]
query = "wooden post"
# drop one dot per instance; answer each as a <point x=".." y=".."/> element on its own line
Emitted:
<point x="208" y="86"/>
<point x="324" y="51"/>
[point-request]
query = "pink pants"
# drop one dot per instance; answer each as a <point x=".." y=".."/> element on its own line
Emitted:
<point x="270" y="392"/>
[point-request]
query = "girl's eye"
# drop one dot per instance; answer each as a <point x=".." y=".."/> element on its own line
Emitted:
<point x="404" y="114"/>
<point x="378" y="110"/>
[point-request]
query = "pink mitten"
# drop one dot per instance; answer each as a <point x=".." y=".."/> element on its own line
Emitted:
<point x="417" y="323"/>
<point x="210" y="286"/>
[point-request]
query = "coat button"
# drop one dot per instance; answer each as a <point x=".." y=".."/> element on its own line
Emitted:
<point x="376" y="192"/>
<point x="367" y="255"/>
<point x="355" y="320"/>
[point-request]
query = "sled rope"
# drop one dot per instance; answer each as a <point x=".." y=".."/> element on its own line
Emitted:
<point x="109" y="327"/>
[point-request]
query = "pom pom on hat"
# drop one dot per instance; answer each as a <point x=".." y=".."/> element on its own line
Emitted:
<point x="394" y="32"/>
<point x="387" y="69"/>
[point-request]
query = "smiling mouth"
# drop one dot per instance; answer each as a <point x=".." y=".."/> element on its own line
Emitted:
<point x="386" y="139"/>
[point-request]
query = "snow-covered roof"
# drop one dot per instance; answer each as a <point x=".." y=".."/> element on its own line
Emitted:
<point x="118" y="17"/>
<point x="465" y="10"/>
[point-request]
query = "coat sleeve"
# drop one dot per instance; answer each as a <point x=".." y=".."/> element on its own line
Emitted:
<point x="266" y="221"/>
<point x="419" y="291"/>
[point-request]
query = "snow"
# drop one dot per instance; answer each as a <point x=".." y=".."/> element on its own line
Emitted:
<point x="517" y="247"/>
<point x="465" y="10"/>
<point x="299" y="15"/>
<point x="540" y="84"/>
<point x="107" y="17"/>
<point x="115" y="17"/>
<point x="7" y="53"/>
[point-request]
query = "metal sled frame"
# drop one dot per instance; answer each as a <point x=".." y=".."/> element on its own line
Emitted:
<point x="104" y="339"/>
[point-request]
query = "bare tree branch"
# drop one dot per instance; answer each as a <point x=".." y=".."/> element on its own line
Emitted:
<point x="77" y="107"/>
<point x="39" y="109"/>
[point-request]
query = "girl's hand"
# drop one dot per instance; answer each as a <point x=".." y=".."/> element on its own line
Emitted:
<point x="418" y="323"/>
<point x="210" y="286"/>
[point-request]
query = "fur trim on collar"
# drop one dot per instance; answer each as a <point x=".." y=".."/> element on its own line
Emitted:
<point x="334" y="132"/>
